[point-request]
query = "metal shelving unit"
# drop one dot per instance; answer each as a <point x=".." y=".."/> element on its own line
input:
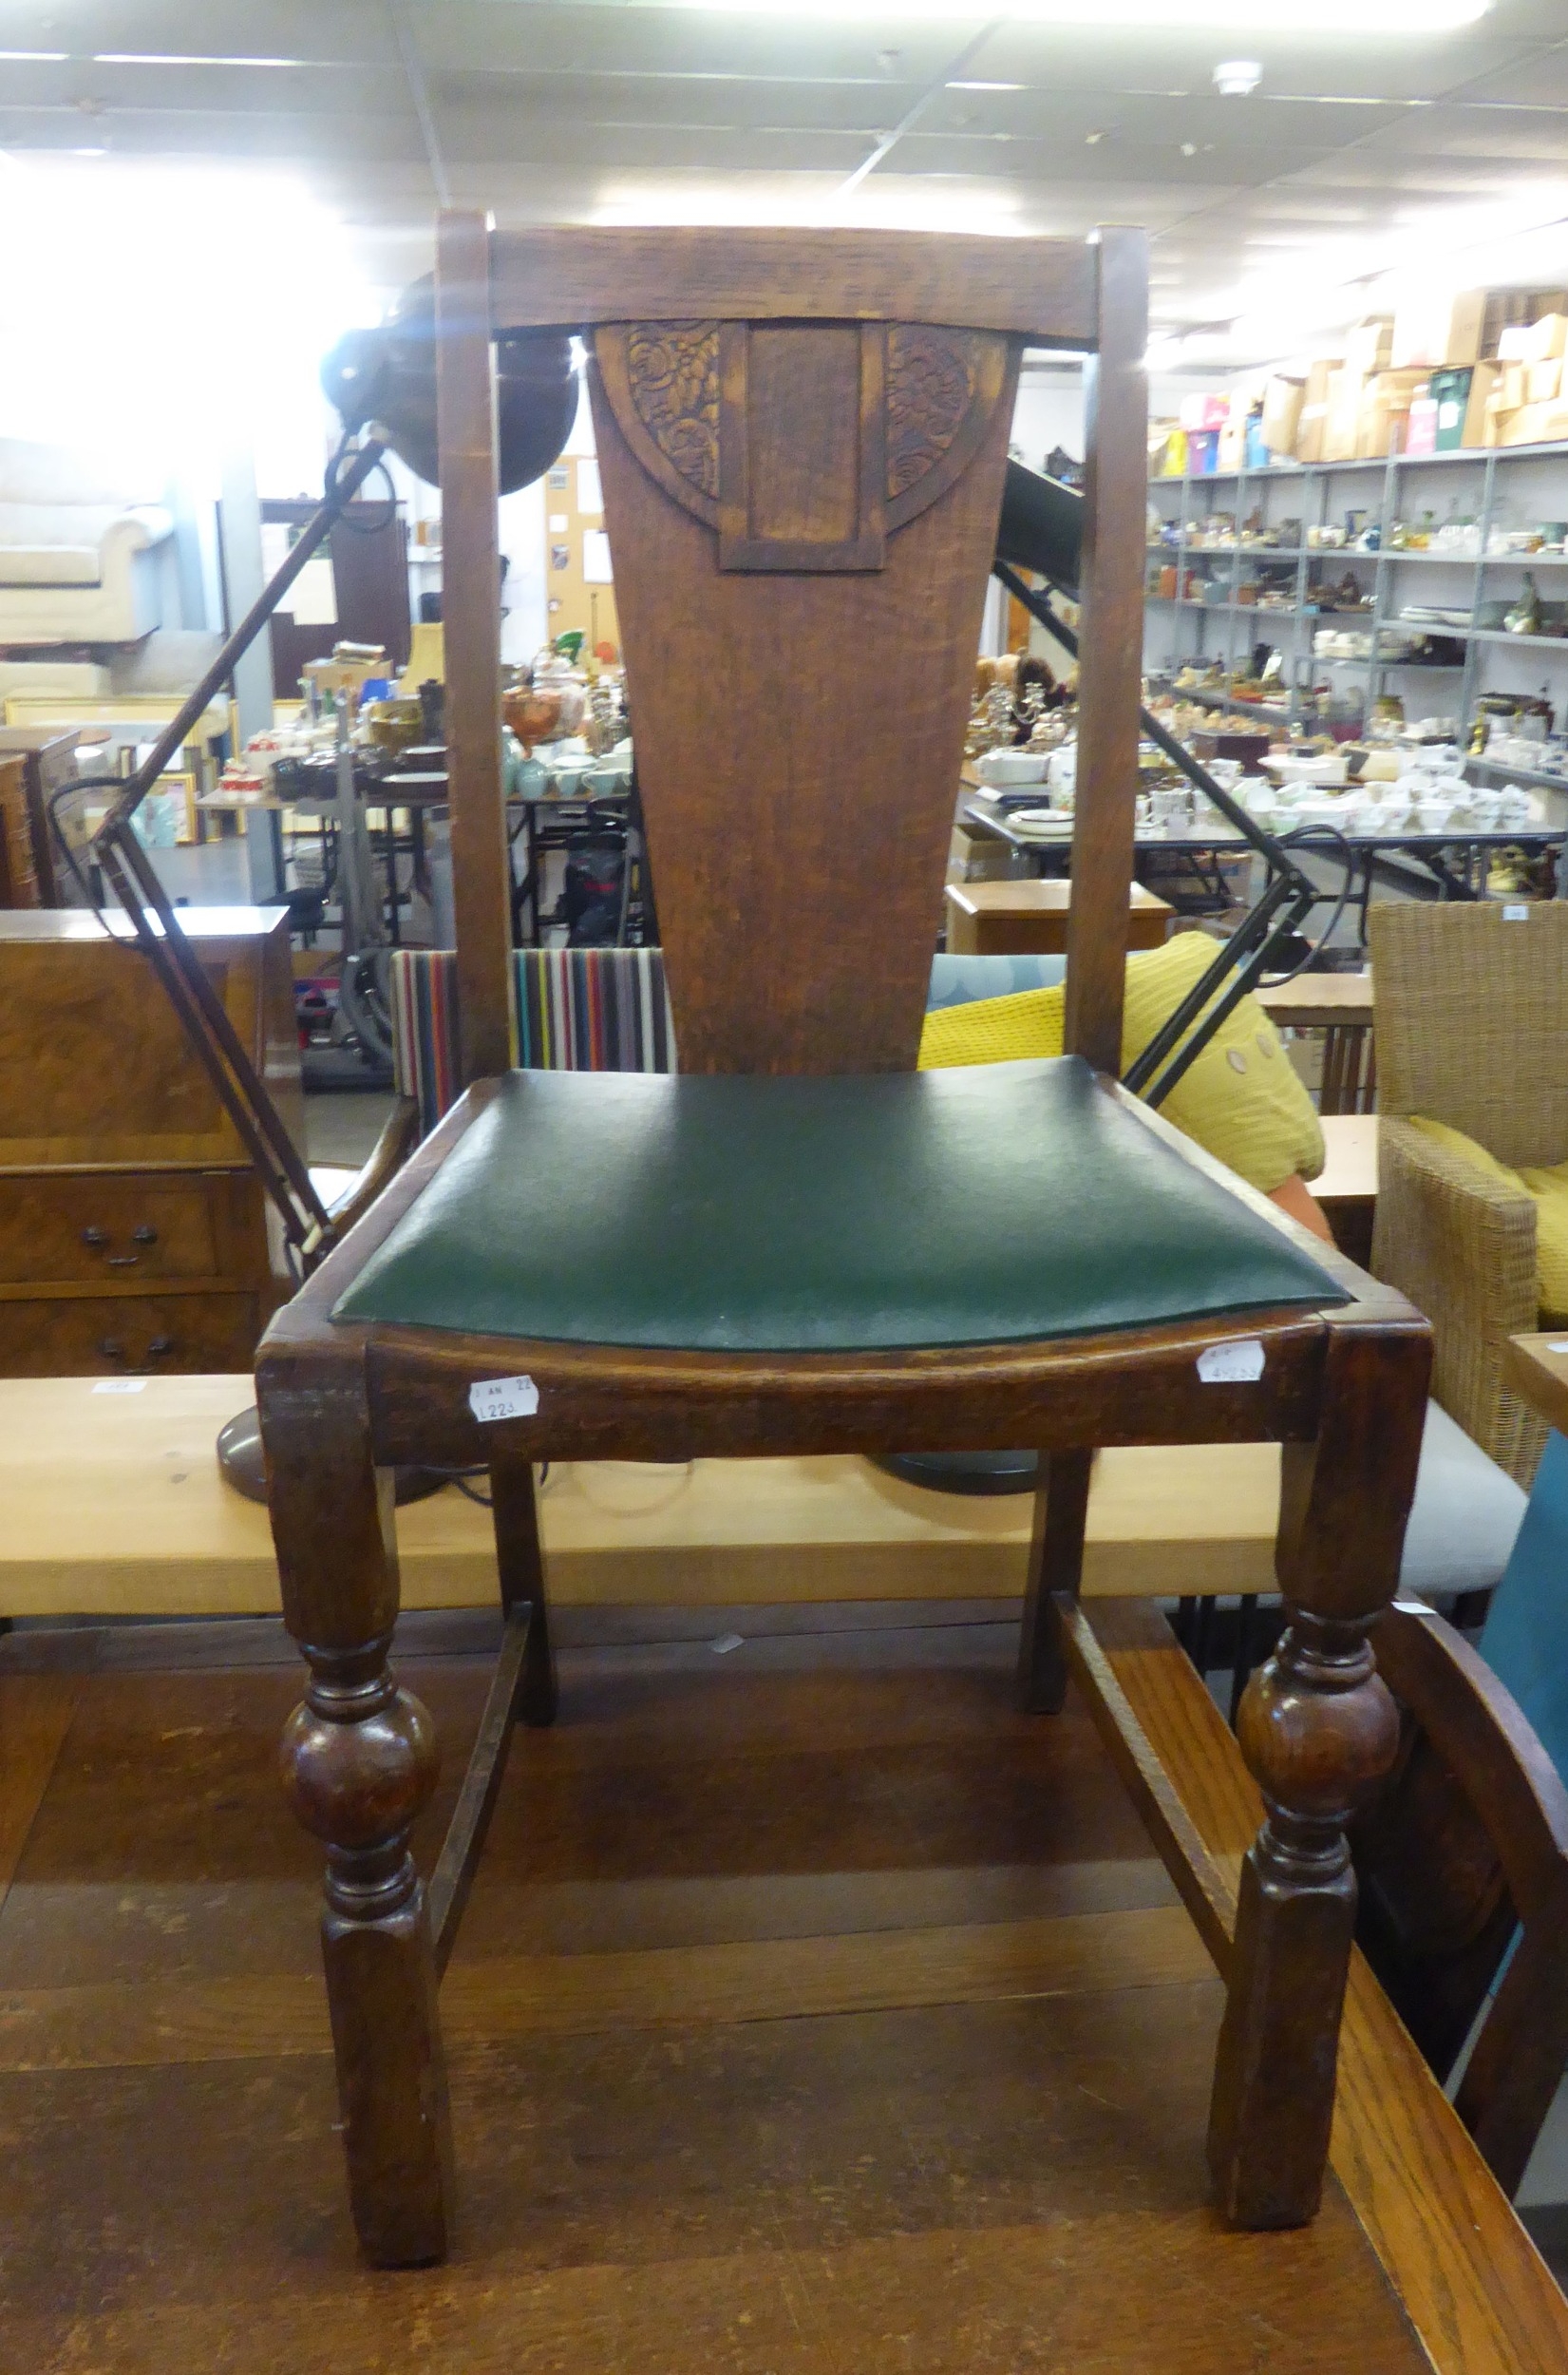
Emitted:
<point x="1283" y="626"/>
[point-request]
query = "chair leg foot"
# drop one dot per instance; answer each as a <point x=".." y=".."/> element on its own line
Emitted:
<point x="358" y="1763"/>
<point x="391" y="2076"/>
<point x="1317" y="1729"/>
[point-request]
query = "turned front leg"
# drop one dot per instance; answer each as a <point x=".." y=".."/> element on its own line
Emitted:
<point x="359" y="1762"/>
<point x="1318" y="1729"/>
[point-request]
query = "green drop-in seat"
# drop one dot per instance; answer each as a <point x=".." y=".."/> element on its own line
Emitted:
<point x="997" y="1203"/>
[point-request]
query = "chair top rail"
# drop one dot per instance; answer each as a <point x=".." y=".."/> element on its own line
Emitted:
<point x="1045" y="290"/>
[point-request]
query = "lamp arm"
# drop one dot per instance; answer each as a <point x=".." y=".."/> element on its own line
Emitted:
<point x="341" y="492"/>
<point x="130" y="873"/>
<point x="1262" y="843"/>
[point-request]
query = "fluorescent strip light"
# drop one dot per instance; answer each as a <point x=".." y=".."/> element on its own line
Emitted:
<point x="1413" y="17"/>
<point x="35" y="57"/>
<point x="987" y="86"/>
<point x="146" y="57"/>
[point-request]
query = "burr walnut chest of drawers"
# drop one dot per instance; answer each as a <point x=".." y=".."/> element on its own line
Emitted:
<point x="133" y="1231"/>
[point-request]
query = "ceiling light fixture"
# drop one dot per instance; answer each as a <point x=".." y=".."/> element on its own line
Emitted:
<point x="35" y="57"/>
<point x="1237" y="78"/>
<point x="1418" y="18"/>
<point x="152" y="57"/>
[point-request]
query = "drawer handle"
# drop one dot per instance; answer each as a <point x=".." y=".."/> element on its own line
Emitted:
<point x="123" y="1260"/>
<point x="95" y="1237"/>
<point x="111" y="1348"/>
<point x="161" y="1347"/>
<point x="144" y="1235"/>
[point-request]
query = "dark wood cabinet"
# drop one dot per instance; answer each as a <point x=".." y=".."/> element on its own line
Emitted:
<point x="368" y="553"/>
<point x="34" y="762"/>
<point x="133" y="1231"/>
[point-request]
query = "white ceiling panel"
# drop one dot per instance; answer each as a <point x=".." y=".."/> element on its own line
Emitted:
<point x="593" y="108"/>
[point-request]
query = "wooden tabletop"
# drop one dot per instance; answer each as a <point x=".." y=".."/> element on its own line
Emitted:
<point x="114" y="1505"/>
<point x="1031" y="897"/>
<point x="1536" y="1368"/>
<point x="1319" y="1000"/>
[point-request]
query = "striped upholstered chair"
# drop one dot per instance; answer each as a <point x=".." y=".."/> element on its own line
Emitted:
<point x="578" y="1010"/>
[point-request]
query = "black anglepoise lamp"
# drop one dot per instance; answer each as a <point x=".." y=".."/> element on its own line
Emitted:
<point x="383" y="383"/>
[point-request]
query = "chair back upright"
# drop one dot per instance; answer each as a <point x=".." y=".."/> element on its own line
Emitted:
<point x="1461" y="1861"/>
<point x="802" y="440"/>
<point x="1472" y="1019"/>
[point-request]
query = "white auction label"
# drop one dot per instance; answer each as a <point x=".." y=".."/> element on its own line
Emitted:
<point x="1516" y="914"/>
<point x="503" y="1398"/>
<point x="120" y="1385"/>
<point x="1232" y="1365"/>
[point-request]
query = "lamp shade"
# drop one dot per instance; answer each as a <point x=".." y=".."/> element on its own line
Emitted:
<point x="388" y="376"/>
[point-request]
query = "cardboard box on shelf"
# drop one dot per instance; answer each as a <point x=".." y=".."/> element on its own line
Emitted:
<point x="1231" y="445"/>
<point x="1282" y="402"/>
<point x="1495" y="419"/>
<point x="1369" y="347"/>
<point x="1310" y="432"/>
<point x="1511" y="386"/>
<point x="1318" y="375"/>
<point x="1438" y="331"/>
<point x="1342" y="429"/>
<point x="1547" y="340"/>
<point x="1542" y="382"/>
<point x="1528" y="424"/>
<point x="1382" y="427"/>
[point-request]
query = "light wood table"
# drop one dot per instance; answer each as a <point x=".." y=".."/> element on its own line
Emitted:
<point x="1031" y="919"/>
<point x="1339" y="1005"/>
<point x="1347" y="1186"/>
<point x="1536" y="1368"/>
<point x="114" y="1505"/>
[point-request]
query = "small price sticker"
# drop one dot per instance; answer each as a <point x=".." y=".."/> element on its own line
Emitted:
<point x="1517" y="915"/>
<point x="120" y="1385"/>
<point x="1240" y="1363"/>
<point x="503" y="1398"/>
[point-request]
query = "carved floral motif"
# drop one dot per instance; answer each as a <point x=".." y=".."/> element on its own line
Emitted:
<point x="673" y="368"/>
<point x="930" y="379"/>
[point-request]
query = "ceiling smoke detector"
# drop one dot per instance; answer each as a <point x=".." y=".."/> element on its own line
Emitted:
<point x="1237" y="78"/>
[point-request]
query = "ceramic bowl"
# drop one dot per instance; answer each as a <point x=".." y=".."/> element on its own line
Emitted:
<point x="1434" y="811"/>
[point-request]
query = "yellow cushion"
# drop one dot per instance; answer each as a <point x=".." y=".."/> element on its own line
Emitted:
<point x="1241" y="1098"/>
<point x="1547" y="1188"/>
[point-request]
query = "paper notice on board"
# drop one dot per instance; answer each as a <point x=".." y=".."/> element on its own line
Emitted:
<point x="595" y="557"/>
<point x="313" y="598"/>
<point x="590" y="493"/>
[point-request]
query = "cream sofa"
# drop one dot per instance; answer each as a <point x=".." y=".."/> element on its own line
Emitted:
<point x="79" y="560"/>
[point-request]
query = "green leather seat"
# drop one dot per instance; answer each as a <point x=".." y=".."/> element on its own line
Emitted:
<point x="748" y="1215"/>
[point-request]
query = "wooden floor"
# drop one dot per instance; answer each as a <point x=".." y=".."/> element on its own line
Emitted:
<point x="812" y="2012"/>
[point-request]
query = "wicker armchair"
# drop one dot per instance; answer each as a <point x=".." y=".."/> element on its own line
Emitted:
<point x="1472" y="1030"/>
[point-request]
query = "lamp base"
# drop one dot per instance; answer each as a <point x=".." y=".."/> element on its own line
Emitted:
<point x="964" y="1471"/>
<point x="241" y="1461"/>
